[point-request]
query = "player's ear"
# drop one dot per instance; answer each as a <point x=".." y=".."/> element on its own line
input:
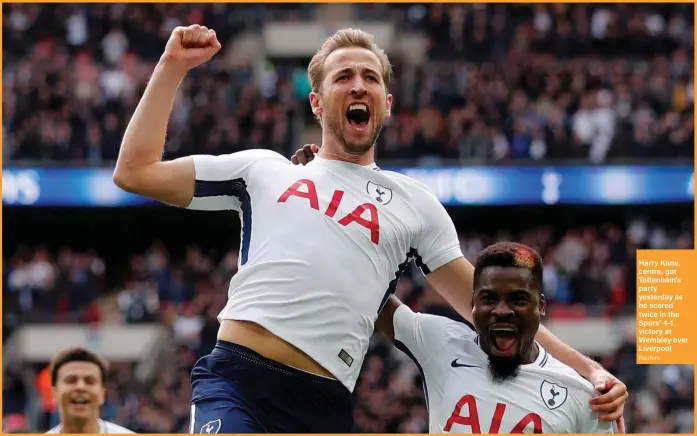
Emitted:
<point x="543" y="305"/>
<point x="316" y="104"/>
<point x="388" y="112"/>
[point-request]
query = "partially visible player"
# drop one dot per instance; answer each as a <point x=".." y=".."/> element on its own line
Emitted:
<point x="302" y="306"/>
<point x="78" y="377"/>
<point x="496" y="378"/>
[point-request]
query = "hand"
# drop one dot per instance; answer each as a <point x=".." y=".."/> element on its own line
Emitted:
<point x="304" y="155"/>
<point x="613" y="395"/>
<point x="189" y="47"/>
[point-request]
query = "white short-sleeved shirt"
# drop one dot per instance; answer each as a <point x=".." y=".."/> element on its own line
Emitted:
<point x="105" y="427"/>
<point x="545" y="397"/>
<point x="322" y="246"/>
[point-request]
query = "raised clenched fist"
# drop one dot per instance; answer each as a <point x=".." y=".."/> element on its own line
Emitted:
<point x="189" y="47"/>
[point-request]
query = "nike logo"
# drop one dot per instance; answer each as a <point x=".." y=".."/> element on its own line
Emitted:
<point x="455" y="364"/>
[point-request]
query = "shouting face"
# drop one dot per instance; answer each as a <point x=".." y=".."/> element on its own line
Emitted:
<point x="507" y="310"/>
<point x="352" y="102"/>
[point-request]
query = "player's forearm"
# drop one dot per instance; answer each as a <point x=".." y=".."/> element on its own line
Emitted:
<point x="565" y="354"/>
<point x="144" y="140"/>
<point x="454" y="282"/>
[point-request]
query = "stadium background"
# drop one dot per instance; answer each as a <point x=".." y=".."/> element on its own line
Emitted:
<point x="566" y="127"/>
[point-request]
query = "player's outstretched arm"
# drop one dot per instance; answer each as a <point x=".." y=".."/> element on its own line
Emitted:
<point x="454" y="282"/>
<point x="139" y="168"/>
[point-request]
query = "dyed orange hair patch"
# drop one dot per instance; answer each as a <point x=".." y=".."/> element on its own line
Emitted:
<point x="524" y="258"/>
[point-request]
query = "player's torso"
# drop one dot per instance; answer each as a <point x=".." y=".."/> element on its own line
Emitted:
<point x="353" y="224"/>
<point x="321" y="247"/>
<point x="463" y="398"/>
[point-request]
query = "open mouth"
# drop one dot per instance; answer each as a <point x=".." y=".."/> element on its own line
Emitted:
<point x="79" y="401"/>
<point x="358" y="115"/>
<point x="504" y="338"/>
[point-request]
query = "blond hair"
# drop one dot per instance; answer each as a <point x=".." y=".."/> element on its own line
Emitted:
<point x="346" y="38"/>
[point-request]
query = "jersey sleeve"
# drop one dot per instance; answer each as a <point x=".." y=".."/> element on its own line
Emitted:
<point x="592" y="424"/>
<point x="437" y="242"/>
<point x="419" y="335"/>
<point x="222" y="181"/>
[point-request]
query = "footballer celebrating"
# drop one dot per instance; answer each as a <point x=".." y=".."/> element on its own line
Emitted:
<point x="302" y="307"/>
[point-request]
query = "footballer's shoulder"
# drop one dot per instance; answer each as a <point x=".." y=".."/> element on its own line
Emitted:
<point x="414" y="187"/>
<point x="557" y="372"/>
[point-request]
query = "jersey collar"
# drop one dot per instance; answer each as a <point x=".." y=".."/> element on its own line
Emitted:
<point x="330" y="162"/>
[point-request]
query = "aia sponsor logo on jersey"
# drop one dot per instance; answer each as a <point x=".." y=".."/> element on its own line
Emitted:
<point x="365" y="215"/>
<point x="466" y="413"/>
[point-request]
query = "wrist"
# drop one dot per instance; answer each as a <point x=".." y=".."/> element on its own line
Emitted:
<point x="171" y="68"/>
<point x="589" y="365"/>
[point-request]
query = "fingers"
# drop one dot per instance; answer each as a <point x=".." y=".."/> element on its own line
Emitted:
<point x="305" y="154"/>
<point x="213" y="39"/>
<point x="621" y="426"/>
<point x="202" y="36"/>
<point x="609" y="407"/>
<point x="197" y="36"/>
<point x="187" y="36"/>
<point x="308" y="152"/>
<point x="614" y="416"/>
<point x="301" y="156"/>
<point x="615" y="393"/>
<point x="298" y="158"/>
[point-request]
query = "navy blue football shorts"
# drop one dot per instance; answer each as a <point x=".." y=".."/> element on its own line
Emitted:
<point x="236" y="390"/>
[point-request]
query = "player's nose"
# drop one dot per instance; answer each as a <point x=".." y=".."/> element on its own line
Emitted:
<point x="502" y="310"/>
<point x="358" y="89"/>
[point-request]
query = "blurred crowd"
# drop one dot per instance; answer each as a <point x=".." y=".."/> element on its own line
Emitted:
<point x="73" y="75"/>
<point x="589" y="271"/>
<point x="501" y="81"/>
<point x="548" y="82"/>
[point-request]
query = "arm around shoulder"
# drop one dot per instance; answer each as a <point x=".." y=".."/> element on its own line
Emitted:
<point x="440" y="256"/>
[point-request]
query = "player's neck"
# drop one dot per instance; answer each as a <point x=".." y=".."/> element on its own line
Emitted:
<point x="90" y="425"/>
<point x="333" y="151"/>
<point x="530" y="354"/>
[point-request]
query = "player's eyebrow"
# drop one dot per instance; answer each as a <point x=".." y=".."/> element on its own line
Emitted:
<point x="352" y="70"/>
<point x="520" y="293"/>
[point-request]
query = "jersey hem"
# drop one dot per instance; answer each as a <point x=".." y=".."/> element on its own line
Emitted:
<point x="272" y="328"/>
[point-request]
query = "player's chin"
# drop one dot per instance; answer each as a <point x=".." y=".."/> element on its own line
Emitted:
<point x="80" y="410"/>
<point x="358" y="145"/>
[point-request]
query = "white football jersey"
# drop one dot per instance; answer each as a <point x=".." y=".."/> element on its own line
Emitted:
<point x="105" y="427"/>
<point x="545" y="397"/>
<point x="322" y="246"/>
